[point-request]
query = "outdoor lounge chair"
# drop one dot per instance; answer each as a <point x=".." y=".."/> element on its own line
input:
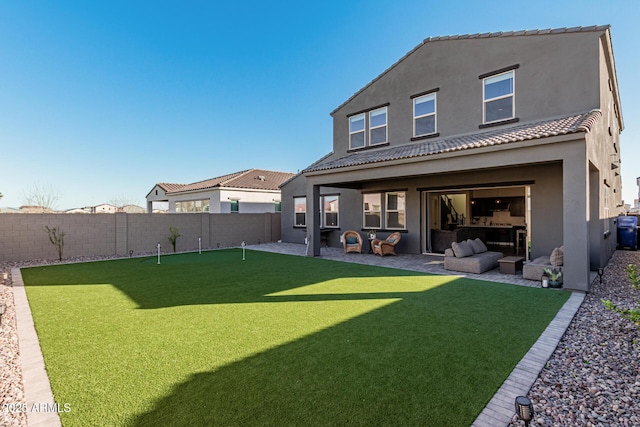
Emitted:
<point x="352" y="241"/>
<point x="387" y="246"/>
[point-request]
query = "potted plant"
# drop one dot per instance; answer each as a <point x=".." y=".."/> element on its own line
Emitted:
<point x="554" y="275"/>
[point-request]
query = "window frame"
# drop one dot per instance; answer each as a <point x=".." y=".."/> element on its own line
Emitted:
<point x="372" y="128"/>
<point x="302" y="212"/>
<point x="324" y="212"/>
<point x="363" y="131"/>
<point x="371" y="212"/>
<point x="397" y="210"/>
<point x="511" y="95"/>
<point x="434" y="114"/>
<point x="384" y="211"/>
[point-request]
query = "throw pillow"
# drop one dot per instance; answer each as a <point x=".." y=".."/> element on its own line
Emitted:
<point x="461" y="249"/>
<point x="557" y="257"/>
<point x="477" y="246"/>
<point x="351" y="240"/>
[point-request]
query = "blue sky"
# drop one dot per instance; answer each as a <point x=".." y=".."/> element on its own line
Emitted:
<point x="101" y="100"/>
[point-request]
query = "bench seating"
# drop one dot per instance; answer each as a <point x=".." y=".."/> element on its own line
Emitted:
<point x="471" y="256"/>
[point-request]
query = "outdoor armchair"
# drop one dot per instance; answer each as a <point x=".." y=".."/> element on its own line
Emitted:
<point x="352" y="241"/>
<point x="387" y="246"/>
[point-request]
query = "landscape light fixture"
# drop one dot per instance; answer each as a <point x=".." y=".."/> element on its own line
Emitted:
<point x="524" y="409"/>
<point x="600" y="273"/>
<point x="2" y="306"/>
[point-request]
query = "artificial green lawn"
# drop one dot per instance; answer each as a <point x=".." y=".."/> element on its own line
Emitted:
<point x="276" y="340"/>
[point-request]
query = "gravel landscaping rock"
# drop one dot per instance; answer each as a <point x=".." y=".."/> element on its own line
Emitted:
<point x="592" y="378"/>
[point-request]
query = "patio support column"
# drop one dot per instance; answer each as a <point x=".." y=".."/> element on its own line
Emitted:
<point x="575" y="218"/>
<point x="313" y="219"/>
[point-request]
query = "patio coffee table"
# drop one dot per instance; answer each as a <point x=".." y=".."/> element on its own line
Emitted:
<point x="511" y="264"/>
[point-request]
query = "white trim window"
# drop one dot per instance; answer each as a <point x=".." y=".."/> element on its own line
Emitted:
<point x="300" y="211"/>
<point x="424" y="115"/>
<point x="356" y="131"/>
<point x="330" y="206"/>
<point x="372" y="210"/>
<point x="378" y="126"/>
<point x="498" y="97"/>
<point x="395" y="210"/>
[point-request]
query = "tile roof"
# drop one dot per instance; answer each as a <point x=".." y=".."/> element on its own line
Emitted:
<point x="479" y="36"/>
<point x="582" y="122"/>
<point x="256" y="179"/>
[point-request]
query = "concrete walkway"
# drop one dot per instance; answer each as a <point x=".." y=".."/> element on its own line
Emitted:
<point x="498" y="412"/>
<point x="40" y="405"/>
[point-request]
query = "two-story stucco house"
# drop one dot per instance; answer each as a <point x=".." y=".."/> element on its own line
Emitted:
<point x="508" y="134"/>
<point x="247" y="191"/>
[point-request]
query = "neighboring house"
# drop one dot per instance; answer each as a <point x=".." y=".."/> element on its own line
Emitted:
<point x="108" y="208"/>
<point x="36" y="209"/>
<point x="248" y="191"/>
<point x="516" y="128"/>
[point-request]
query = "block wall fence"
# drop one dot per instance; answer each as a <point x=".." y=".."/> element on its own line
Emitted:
<point x="22" y="237"/>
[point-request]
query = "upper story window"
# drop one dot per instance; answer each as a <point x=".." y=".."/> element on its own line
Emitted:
<point x="378" y="126"/>
<point x="368" y="128"/>
<point x="424" y="115"/>
<point x="498" y="97"/>
<point x="235" y="205"/>
<point x="356" y="131"/>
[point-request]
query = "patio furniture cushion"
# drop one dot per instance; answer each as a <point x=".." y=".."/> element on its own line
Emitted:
<point x="477" y="263"/>
<point x="461" y="249"/>
<point x="535" y="269"/>
<point x="385" y="247"/>
<point x="557" y="257"/>
<point x="351" y="240"/>
<point x="477" y="245"/>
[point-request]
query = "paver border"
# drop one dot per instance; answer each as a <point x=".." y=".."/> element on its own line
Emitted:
<point x="499" y="411"/>
<point x="501" y="408"/>
<point x="41" y="408"/>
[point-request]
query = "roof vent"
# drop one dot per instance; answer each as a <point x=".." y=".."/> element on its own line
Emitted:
<point x="261" y="177"/>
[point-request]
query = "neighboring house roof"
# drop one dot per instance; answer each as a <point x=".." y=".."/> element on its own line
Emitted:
<point x="254" y="179"/>
<point x="582" y="122"/>
<point x="477" y="36"/>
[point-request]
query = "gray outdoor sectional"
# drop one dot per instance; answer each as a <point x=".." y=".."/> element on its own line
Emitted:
<point x="535" y="269"/>
<point x="471" y="256"/>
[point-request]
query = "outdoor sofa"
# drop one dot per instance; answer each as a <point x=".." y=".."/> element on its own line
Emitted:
<point x="471" y="256"/>
<point x="535" y="269"/>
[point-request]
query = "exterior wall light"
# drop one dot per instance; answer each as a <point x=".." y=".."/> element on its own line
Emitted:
<point x="524" y="409"/>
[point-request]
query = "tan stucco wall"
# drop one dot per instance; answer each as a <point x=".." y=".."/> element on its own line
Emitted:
<point x="22" y="236"/>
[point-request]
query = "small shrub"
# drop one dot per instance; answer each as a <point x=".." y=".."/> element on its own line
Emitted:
<point x="56" y="237"/>
<point x="633" y="314"/>
<point x="175" y="233"/>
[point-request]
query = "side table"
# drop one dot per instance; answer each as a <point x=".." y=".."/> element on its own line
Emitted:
<point x="511" y="264"/>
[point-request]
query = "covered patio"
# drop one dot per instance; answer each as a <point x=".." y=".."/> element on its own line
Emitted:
<point x="433" y="264"/>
